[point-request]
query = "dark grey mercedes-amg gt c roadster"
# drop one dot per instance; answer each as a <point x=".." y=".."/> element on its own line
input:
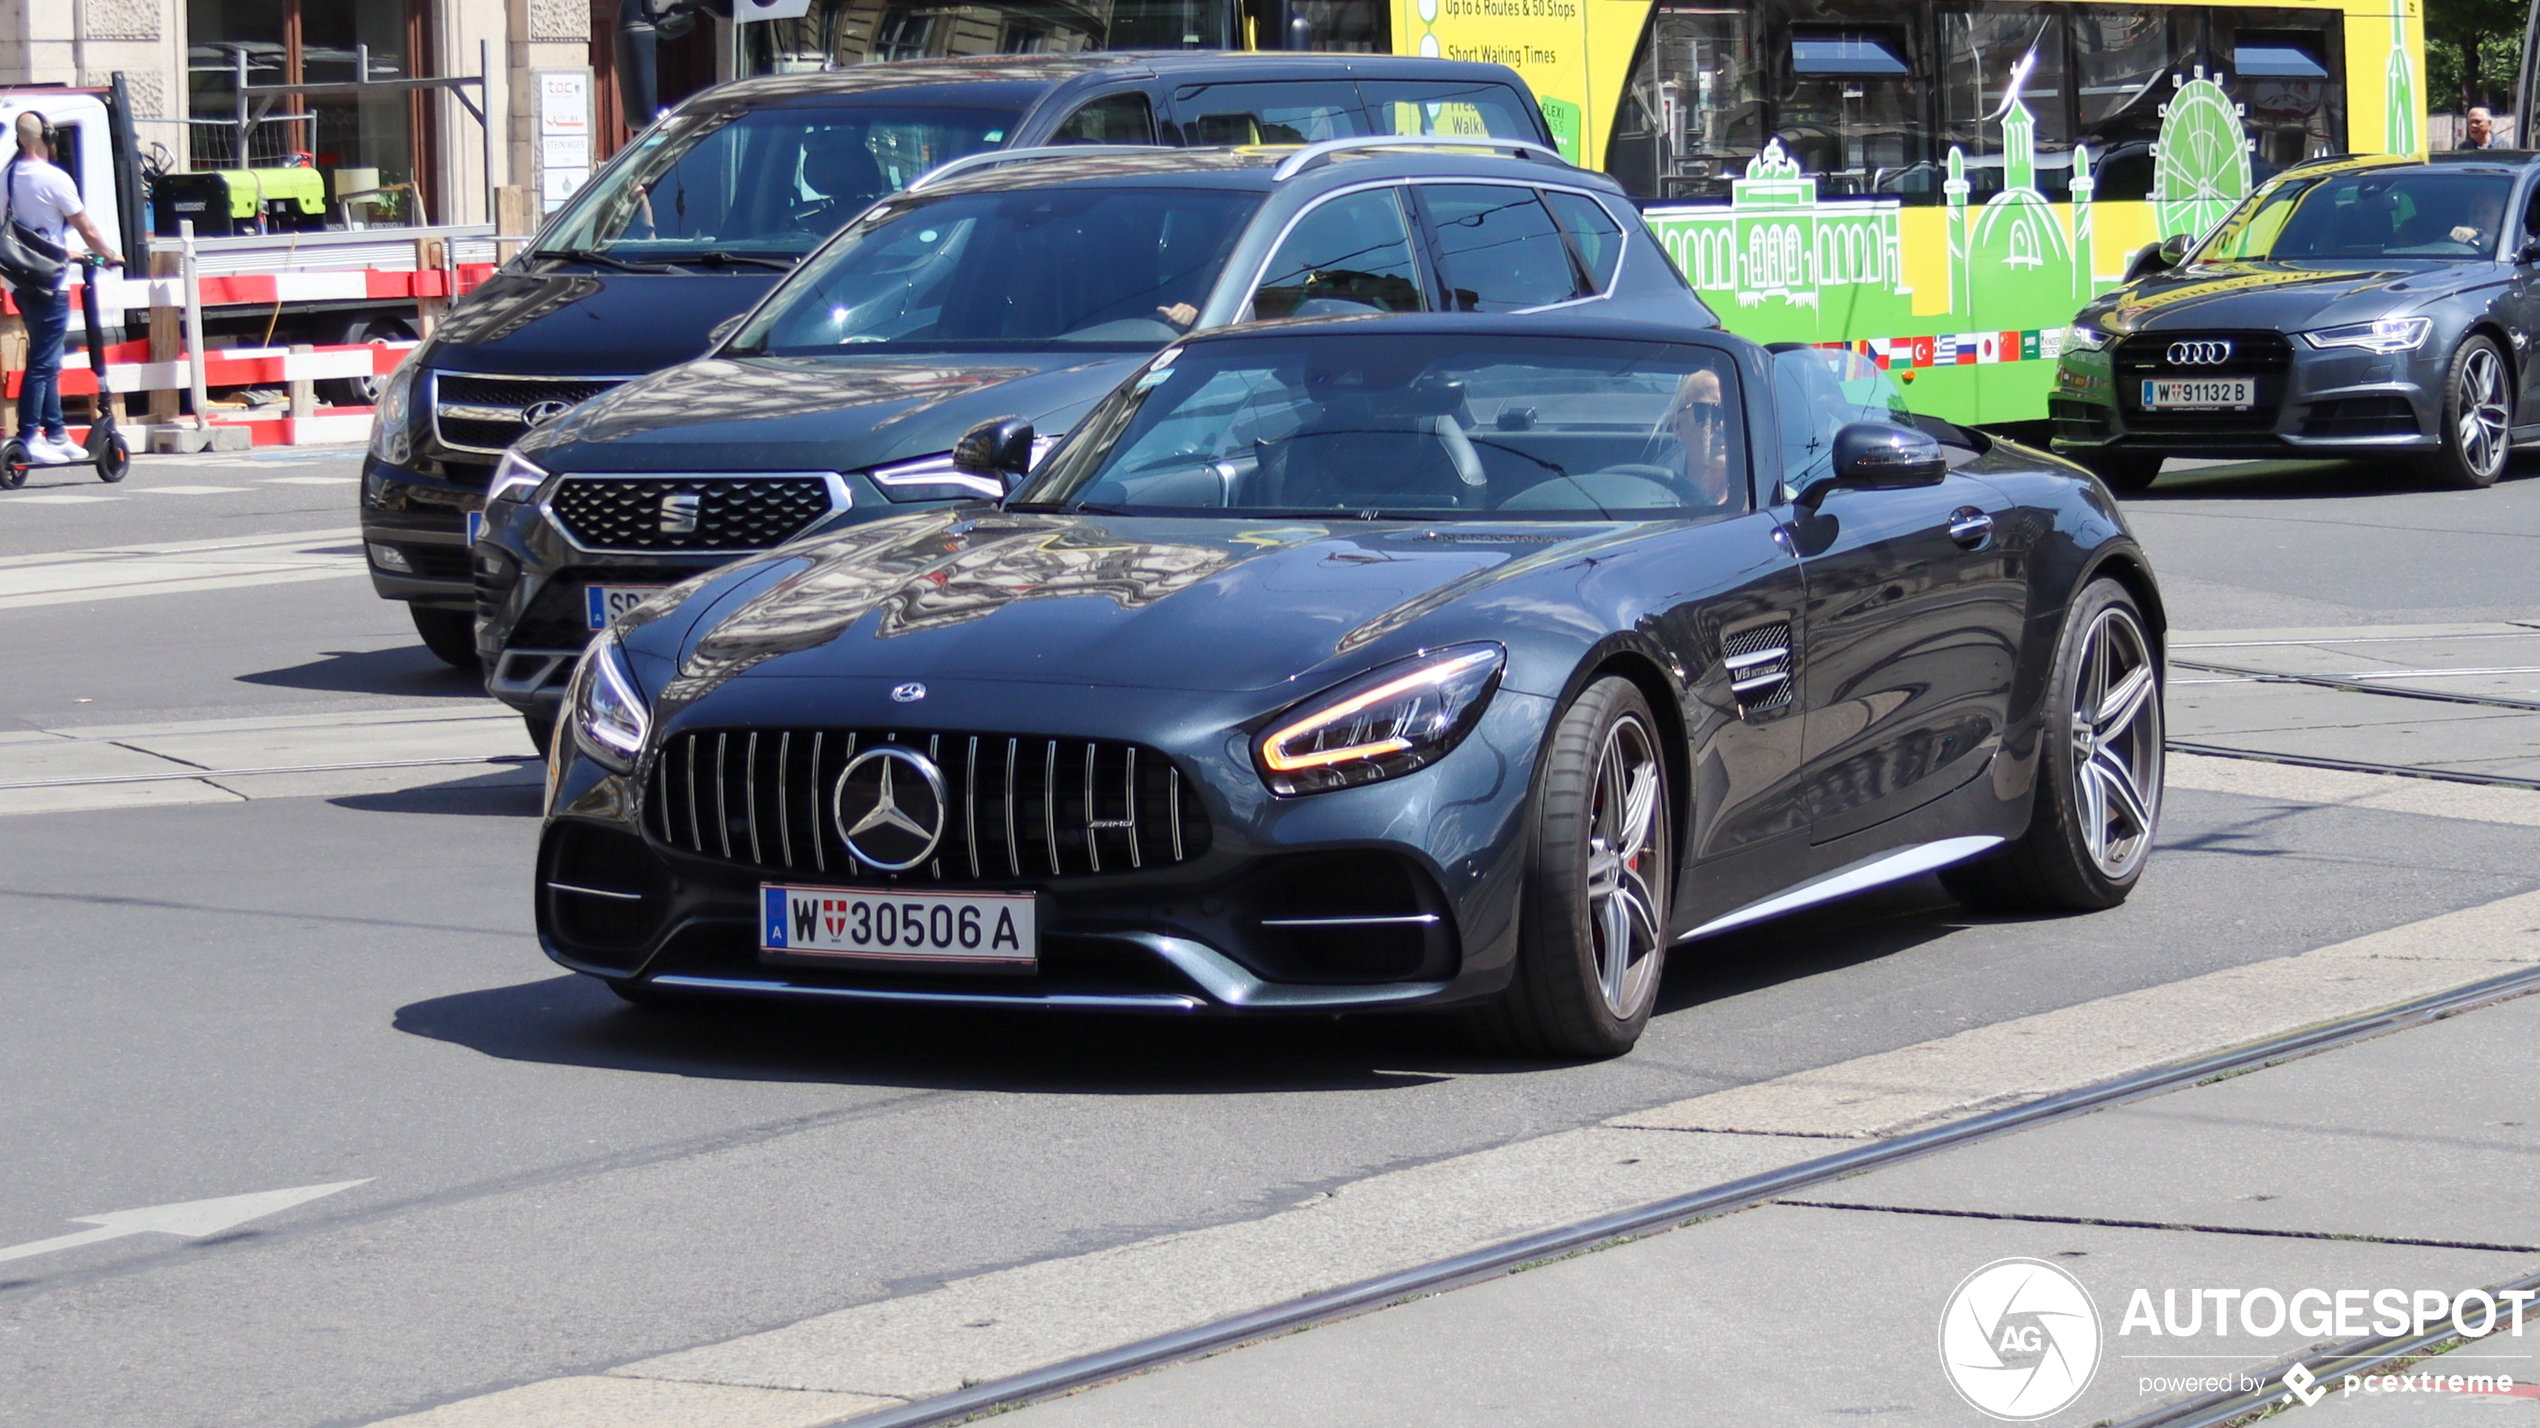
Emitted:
<point x="1354" y="664"/>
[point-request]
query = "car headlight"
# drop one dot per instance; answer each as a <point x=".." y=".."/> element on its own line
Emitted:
<point x="2390" y="334"/>
<point x="392" y="437"/>
<point x="2082" y="338"/>
<point x="516" y="479"/>
<point x="1390" y="721"/>
<point x="608" y="715"/>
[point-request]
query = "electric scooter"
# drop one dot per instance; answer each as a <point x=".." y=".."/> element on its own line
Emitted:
<point x="108" y="451"/>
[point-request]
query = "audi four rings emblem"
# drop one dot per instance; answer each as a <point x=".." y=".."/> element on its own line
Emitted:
<point x="540" y="413"/>
<point x="890" y="805"/>
<point x="2199" y="354"/>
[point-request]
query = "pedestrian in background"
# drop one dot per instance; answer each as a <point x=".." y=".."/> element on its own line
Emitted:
<point x="43" y="201"/>
<point x="2478" y="129"/>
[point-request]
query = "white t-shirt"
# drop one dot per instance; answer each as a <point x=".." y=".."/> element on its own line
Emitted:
<point x="41" y="197"/>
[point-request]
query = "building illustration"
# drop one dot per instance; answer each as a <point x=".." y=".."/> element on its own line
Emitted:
<point x="1974" y="319"/>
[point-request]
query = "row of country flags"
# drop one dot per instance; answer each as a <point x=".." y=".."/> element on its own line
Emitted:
<point x="1958" y="349"/>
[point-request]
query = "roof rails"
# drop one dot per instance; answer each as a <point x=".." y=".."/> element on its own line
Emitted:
<point x="991" y="157"/>
<point x="1297" y="162"/>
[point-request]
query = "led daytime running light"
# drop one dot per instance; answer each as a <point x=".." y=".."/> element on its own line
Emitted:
<point x="2390" y="334"/>
<point x="1274" y="752"/>
<point x="609" y="717"/>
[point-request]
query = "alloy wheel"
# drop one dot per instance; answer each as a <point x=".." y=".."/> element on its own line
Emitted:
<point x="2485" y="415"/>
<point x="2116" y="736"/>
<point x="1626" y="849"/>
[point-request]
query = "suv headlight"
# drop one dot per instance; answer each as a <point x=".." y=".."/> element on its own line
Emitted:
<point x="392" y="437"/>
<point x="1390" y="721"/>
<point x="608" y="716"/>
<point x="516" y="479"/>
<point x="2081" y="337"/>
<point x="2390" y="334"/>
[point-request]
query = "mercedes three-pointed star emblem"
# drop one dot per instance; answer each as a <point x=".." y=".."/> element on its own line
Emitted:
<point x="888" y="821"/>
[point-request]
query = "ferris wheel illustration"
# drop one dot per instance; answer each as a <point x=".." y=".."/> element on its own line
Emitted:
<point x="2200" y="166"/>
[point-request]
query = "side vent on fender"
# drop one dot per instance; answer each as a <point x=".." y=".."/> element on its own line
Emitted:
<point x="1758" y="662"/>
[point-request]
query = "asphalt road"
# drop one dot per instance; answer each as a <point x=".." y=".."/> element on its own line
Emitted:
<point x="215" y="999"/>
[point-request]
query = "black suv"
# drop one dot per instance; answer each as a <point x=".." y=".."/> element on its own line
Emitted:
<point x="992" y="308"/>
<point x="694" y="220"/>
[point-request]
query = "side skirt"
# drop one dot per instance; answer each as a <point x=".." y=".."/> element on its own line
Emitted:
<point x="1874" y="871"/>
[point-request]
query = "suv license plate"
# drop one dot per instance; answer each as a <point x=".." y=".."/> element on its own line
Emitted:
<point x="603" y="603"/>
<point x="2201" y="392"/>
<point x="876" y="924"/>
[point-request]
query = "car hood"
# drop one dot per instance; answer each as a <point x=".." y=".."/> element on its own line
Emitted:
<point x="819" y="413"/>
<point x="975" y="593"/>
<point x="568" y="324"/>
<point x="2287" y="297"/>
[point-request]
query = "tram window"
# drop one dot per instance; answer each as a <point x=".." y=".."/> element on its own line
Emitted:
<point x="1306" y="112"/>
<point x="1984" y="48"/>
<point x="1853" y="112"/>
<point x="2285" y="72"/>
<point x="1847" y="52"/>
<point x="1349" y="256"/>
<point x="1497" y="248"/>
<point x="1112" y="119"/>
<point x="1693" y="113"/>
<point x="1410" y="107"/>
<point x="2125" y="59"/>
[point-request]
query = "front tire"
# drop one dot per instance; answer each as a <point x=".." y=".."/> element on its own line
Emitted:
<point x="2099" y="771"/>
<point x="13" y="464"/>
<point x="2478" y="418"/>
<point x="449" y="634"/>
<point x="1592" y="941"/>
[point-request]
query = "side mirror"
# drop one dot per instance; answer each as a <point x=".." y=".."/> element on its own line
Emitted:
<point x="723" y="329"/>
<point x="2528" y="254"/>
<point x="2174" y="249"/>
<point x="2158" y="257"/>
<point x="1001" y="446"/>
<point x="1874" y="456"/>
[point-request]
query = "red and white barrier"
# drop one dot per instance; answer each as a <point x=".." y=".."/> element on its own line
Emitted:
<point x="118" y="293"/>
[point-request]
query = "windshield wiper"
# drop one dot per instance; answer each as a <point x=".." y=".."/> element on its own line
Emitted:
<point x="590" y="255"/>
<point x="722" y="258"/>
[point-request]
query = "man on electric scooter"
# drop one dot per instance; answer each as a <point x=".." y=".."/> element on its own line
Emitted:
<point x="42" y="200"/>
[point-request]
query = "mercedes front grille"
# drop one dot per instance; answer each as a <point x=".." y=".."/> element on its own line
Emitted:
<point x="1016" y="806"/>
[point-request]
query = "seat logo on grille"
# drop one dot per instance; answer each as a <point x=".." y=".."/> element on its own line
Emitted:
<point x="679" y="513"/>
<point x="540" y="413"/>
<point x="2198" y="354"/>
<point x="890" y="805"/>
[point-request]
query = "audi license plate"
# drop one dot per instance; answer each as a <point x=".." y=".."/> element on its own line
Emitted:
<point x="603" y="603"/>
<point x="873" y="924"/>
<point x="2207" y="393"/>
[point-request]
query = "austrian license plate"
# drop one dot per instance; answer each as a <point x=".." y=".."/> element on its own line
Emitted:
<point x="603" y="603"/>
<point x="2206" y="392"/>
<point x="871" y="924"/>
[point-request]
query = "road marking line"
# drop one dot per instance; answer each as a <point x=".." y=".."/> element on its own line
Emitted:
<point x="193" y="1219"/>
<point x="332" y="535"/>
<point x="601" y="1402"/>
<point x="310" y="480"/>
<point x="261" y="756"/>
<point x="1007" y="1321"/>
<point x="192" y="490"/>
<point x="260" y="773"/>
<point x="59" y="498"/>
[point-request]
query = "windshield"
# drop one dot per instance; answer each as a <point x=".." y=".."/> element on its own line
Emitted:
<point x="1426" y="426"/>
<point x="2412" y="213"/>
<point x="764" y="182"/>
<point x="1088" y="264"/>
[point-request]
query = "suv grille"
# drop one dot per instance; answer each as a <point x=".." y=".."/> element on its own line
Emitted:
<point x="1016" y="806"/>
<point x="726" y="513"/>
<point x="478" y="413"/>
<point x="2262" y="355"/>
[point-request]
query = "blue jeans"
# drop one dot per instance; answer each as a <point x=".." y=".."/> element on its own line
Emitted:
<point x="48" y="315"/>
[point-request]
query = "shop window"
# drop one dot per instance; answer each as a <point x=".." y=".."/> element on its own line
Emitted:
<point x="291" y="42"/>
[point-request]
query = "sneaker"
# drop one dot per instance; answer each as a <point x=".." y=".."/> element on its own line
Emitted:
<point x="56" y="450"/>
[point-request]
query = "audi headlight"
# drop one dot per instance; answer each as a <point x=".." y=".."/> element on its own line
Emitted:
<point x="608" y="715"/>
<point x="2390" y="334"/>
<point x="516" y="479"/>
<point x="392" y="437"/>
<point x="2082" y="338"/>
<point x="1391" y="721"/>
